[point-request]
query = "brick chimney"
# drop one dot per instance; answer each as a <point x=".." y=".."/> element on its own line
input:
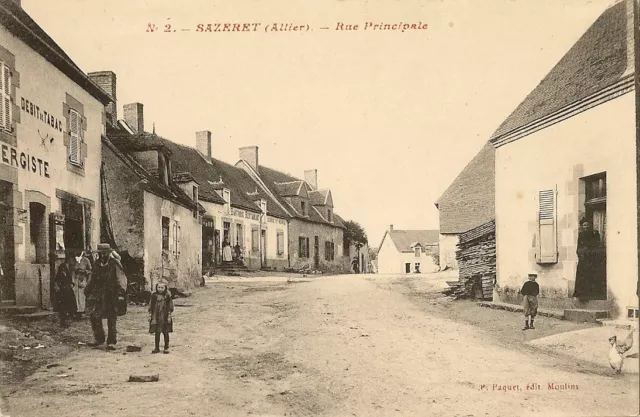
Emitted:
<point x="107" y="81"/>
<point x="203" y="143"/>
<point x="250" y="154"/>
<point x="134" y="116"/>
<point x="311" y="177"/>
<point x="391" y="228"/>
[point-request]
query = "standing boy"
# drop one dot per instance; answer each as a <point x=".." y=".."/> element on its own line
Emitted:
<point x="530" y="291"/>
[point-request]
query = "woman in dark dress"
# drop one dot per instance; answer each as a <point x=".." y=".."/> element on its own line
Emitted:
<point x="64" y="296"/>
<point x="587" y="270"/>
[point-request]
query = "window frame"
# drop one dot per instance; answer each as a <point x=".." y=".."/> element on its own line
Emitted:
<point x="280" y="243"/>
<point x="165" y="238"/>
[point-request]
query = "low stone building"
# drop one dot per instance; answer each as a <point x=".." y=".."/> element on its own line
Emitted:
<point x="408" y="251"/>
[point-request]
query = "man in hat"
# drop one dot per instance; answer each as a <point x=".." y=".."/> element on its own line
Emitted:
<point x="105" y="295"/>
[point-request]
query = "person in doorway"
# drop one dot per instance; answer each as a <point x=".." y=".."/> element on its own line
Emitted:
<point x="226" y="251"/>
<point x="530" y="291"/>
<point x="355" y="265"/>
<point x="64" y="297"/>
<point x="588" y="241"/>
<point x="160" y="315"/>
<point x="105" y="295"/>
<point x="80" y="269"/>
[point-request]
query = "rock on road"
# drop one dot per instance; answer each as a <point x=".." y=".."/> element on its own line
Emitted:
<point x="330" y="346"/>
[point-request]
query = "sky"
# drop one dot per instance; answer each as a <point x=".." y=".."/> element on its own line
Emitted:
<point x="388" y="118"/>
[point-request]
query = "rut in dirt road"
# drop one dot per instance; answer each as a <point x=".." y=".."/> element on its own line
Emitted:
<point x="331" y="346"/>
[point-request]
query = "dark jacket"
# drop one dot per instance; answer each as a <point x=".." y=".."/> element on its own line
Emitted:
<point x="65" y="299"/>
<point x="530" y="288"/>
<point x="106" y="290"/>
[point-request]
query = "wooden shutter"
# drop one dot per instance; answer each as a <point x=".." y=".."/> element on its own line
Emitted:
<point x="547" y="230"/>
<point x="74" y="143"/>
<point x="5" y="97"/>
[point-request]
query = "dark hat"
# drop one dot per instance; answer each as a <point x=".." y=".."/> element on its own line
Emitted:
<point x="104" y="247"/>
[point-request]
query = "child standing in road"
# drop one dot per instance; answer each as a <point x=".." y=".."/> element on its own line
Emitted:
<point x="530" y="291"/>
<point x="160" y="311"/>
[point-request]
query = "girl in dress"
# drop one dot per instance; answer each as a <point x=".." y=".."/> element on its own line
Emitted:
<point x="160" y="311"/>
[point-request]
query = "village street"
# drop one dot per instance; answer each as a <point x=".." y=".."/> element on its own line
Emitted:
<point x="350" y="345"/>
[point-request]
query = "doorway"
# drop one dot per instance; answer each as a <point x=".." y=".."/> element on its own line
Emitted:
<point x="38" y="233"/>
<point x="208" y="244"/>
<point x="7" y="247"/>
<point x="407" y="268"/>
<point x="595" y="247"/>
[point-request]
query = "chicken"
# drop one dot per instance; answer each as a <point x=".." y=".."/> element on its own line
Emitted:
<point x="617" y="351"/>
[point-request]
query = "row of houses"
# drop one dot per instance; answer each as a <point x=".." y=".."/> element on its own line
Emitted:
<point x="73" y="173"/>
<point x="567" y="155"/>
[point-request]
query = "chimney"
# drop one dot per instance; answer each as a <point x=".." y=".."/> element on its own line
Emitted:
<point x="134" y="117"/>
<point x="203" y="143"/>
<point x="250" y="154"/>
<point x="311" y="176"/>
<point x="107" y="81"/>
<point x="391" y="228"/>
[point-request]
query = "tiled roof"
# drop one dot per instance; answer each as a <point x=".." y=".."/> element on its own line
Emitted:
<point x="597" y="60"/>
<point x="150" y="182"/>
<point x="271" y="177"/>
<point x="319" y="198"/>
<point x="290" y="189"/>
<point x="405" y="239"/>
<point x="182" y="177"/>
<point x="470" y="199"/>
<point x="21" y="25"/>
<point x="244" y="191"/>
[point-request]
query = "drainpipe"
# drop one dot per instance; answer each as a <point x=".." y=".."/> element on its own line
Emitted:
<point x="636" y="43"/>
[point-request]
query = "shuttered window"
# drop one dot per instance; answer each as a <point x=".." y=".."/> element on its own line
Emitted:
<point x="74" y="140"/>
<point x="165" y="233"/>
<point x="5" y="97"/>
<point x="547" y="230"/>
<point x="176" y="239"/>
<point x="280" y="243"/>
<point x="255" y="239"/>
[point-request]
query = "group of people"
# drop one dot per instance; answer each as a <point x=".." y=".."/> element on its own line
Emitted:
<point x="100" y="291"/>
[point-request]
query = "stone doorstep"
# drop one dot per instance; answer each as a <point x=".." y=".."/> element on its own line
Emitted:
<point x="16" y="310"/>
<point x="558" y="314"/>
<point x="38" y="315"/>
<point x="585" y="316"/>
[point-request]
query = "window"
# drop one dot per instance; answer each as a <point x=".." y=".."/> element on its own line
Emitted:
<point x="5" y="97"/>
<point x="255" y="239"/>
<point x="263" y="206"/>
<point x="329" y="215"/>
<point x="176" y="239"/>
<point x="165" y="233"/>
<point x="303" y="247"/>
<point x="226" y="195"/>
<point x="596" y="204"/>
<point x="417" y="252"/>
<point x="547" y="234"/>
<point x="75" y="128"/>
<point x="417" y="266"/>
<point x="329" y="251"/>
<point x="280" y="243"/>
<point x="303" y="207"/>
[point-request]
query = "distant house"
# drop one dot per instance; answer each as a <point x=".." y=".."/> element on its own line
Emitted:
<point x="568" y="152"/>
<point x="408" y="251"/>
<point x="468" y="203"/>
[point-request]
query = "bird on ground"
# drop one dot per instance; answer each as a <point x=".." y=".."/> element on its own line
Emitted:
<point x="617" y="351"/>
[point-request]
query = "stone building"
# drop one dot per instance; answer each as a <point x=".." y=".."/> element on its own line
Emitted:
<point x="51" y="123"/>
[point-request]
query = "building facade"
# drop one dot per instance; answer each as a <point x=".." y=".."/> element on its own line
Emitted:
<point x="315" y="233"/>
<point x="408" y="251"/>
<point x="51" y="123"/>
<point x="151" y="216"/>
<point x="568" y="159"/>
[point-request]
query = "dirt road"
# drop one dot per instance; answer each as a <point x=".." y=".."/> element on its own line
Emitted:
<point x="331" y="346"/>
